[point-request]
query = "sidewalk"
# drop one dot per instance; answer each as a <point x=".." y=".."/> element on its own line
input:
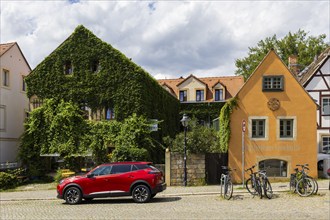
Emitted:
<point x="170" y="191"/>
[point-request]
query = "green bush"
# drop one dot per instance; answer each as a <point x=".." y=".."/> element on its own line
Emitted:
<point x="200" y="139"/>
<point x="7" y="180"/>
<point x="58" y="176"/>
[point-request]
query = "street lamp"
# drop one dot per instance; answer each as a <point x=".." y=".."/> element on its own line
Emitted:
<point x="185" y="119"/>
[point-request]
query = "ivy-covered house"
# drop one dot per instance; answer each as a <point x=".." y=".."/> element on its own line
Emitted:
<point x="103" y="81"/>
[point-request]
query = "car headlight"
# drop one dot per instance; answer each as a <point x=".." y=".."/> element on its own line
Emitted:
<point x="61" y="181"/>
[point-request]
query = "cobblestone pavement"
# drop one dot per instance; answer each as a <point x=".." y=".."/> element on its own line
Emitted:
<point x="174" y="203"/>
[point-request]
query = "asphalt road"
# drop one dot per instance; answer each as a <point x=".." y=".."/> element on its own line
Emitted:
<point x="243" y="206"/>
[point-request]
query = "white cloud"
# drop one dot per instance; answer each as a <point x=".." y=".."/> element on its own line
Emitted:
<point x="168" y="39"/>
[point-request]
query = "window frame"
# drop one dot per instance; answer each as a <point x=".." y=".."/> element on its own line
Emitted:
<point x="185" y="95"/>
<point x="272" y="83"/>
<point x="266" y="127"/>
<point x="322" y="105"/>
<point x="220" y="94"/>
<point x="294" y="128"/>
<point x="4" y="118"/>
<point x="5" y="78"/>
<point x="201" y="95"/>
<point x="68" y="68"/>
<point x="111" y="113"/>
<point x="283" y="170"/>
<point x="325" y="142"/>
<point x="23" y="88"/>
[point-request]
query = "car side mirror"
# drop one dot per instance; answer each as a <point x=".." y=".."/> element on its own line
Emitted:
<point x="90" y="175"/>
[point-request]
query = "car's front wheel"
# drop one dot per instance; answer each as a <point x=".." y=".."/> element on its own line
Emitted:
<point x="141" y="194"/>
<point x="73" y="195"/>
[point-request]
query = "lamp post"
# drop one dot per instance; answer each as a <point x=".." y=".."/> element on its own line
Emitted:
<point x="185" y="119"/>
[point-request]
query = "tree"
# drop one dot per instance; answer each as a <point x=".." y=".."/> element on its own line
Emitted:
<point x="200" y="139"/>
<point x="299" y="44"/>
<point x="55" y="127"/>
<point x="134" y="141"/>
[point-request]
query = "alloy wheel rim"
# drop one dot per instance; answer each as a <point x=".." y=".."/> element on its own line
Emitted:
<point x="141" y="194"/>
<point x="72" y="196"/>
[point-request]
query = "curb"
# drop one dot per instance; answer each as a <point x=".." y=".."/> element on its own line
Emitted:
<point x="160" y="195"/>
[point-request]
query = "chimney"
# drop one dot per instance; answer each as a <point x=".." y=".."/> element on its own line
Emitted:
<point x="293" y="64"/>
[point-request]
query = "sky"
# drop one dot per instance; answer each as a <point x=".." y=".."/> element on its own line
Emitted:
<point x="168" y="39"/>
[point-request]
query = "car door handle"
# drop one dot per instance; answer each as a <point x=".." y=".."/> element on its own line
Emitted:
<point x="131" y="176"/>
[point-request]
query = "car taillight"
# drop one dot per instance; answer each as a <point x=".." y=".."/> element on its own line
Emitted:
<point x="153" y="172"/>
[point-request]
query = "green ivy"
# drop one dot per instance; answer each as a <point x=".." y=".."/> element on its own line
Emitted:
<point x="224" y="133"/>
<point x="119" y="84"/>
<point x="203" y="111"/>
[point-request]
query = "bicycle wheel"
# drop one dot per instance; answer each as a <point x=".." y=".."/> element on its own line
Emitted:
<point x="259" y="188"/>
<point x="228" y="190"/>
<point x="305" y="186"/>
<point x="250" y="187"/>
<point x="316" y="189"/>
<point x="267" y="189"/>
<point x="293" y="183"/>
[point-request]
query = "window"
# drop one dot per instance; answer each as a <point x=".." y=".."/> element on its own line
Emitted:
<point x="326" y="106"/>
<point x="104" y="170"/>
<point x="272" y="83"/>
<point x="36" y="103"/>
<point x="68" y="68"/>
<point x="218" y="95"/>
<point x="95" y="67"/>
<point x="286" y="128"/>
<point x="121" y="169"/>
<point x="199" y="95"/>
<point x="258" y="128"/>
<point x="274" y="167"/>
<point x="2" y="117"/>
<point x="183" y="96"/>
<point x="5" y="78"/>
<point x="23" y="84"/>
<point x="325" y="144"/>
<point x="109" y="114"/>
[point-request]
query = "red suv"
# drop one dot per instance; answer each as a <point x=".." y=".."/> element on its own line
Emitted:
<point x="137" y="179"/>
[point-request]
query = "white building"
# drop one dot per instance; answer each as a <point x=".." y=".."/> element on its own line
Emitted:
<point x="316" y="81"/>
<point x="14" y="104"/>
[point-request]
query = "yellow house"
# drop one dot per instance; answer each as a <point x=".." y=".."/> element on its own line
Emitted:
<point x="280" y="123"/>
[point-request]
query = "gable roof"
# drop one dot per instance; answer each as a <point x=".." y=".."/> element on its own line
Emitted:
<point x="231" y="83"/>
<point x="292" y="74"/>
<point x="7" y="46"/>
<point x="191" y="76"/>
<point x="314" y="67"/>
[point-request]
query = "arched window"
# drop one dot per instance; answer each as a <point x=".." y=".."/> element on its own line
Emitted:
<point x="274" y="167"/>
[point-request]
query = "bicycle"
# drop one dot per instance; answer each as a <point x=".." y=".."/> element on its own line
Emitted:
<point x="293" y="180"/>
<point x="305" y="185"/>
<point x="268" y="191"/>
<point x="226" y="185"/>
<point x="253" y="184"/>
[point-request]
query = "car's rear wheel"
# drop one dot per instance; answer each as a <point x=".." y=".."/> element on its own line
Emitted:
<point x="141" y="194"/>
<point x="73" y="195"/>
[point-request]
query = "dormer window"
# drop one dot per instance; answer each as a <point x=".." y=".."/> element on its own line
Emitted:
<point x="199" y="95"/>
<point x="218" y="95"/>
<point x="183" y="96"/>
<point x="95" y="67"/>
<point x="68" y="68"/>
<point x="272" y="83"/>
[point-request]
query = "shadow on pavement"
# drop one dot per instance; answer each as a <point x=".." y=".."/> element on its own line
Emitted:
<point x="127" y="201"/>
